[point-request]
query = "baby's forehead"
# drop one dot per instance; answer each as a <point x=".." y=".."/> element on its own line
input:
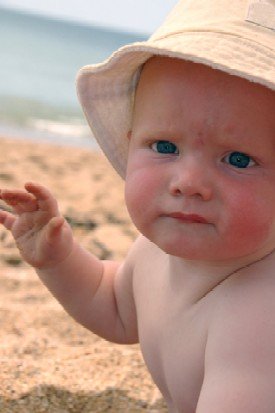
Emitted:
<point x="160" y="73"/>
<point x="162" y="69"/>
<point x="191" y="88"/>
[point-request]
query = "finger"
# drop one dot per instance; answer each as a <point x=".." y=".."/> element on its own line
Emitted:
<point x="7" y="219"/>
<point x="15" y="196"/>
<point x="45" y="199"/>
<point x="39" y="191"/>
<point x="20" y="201"/>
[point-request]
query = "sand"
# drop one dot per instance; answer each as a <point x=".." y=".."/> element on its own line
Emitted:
<point x="49" y="363"/>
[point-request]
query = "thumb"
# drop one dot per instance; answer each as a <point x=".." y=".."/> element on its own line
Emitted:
<point x="54" y="228"/>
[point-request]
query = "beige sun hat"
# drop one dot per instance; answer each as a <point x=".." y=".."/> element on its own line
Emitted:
<point x="235" y="36"/>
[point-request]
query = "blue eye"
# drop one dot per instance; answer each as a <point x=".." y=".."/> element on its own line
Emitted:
<point x="239" y="160"/>
<point x="165" y="147"/>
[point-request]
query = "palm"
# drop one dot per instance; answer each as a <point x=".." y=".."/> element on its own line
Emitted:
<point x="34" y="227"/>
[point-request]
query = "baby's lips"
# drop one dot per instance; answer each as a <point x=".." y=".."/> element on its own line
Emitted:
<point x="188" y="218"/>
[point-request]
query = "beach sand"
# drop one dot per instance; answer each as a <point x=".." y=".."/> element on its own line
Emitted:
<point x="49" y="363"/>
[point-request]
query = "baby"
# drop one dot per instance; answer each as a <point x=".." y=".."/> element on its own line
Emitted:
<point x="197" y="287"/>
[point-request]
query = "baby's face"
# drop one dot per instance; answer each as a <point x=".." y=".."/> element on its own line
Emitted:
<point x="201" y="168"/>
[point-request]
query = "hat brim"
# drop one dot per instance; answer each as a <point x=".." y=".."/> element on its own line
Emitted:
<point x="106" y="90"/>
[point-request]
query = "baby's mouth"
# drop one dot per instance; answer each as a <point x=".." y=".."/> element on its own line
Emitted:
<point x="188" y="218"/>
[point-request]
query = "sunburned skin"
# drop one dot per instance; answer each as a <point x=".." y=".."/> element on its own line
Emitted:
<point x="197" y="287"/>
<point x="230" y="118"/>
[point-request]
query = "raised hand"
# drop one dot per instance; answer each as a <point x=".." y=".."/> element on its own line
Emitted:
<point x="42" y="235"/>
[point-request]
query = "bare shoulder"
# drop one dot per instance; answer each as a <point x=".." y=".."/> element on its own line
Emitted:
<point x="143" y="247"/>
<point x="142" y="254"/>
<point x="240" y="350"/>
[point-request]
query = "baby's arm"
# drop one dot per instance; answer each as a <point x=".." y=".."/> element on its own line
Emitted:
<point x="92" y="291"/>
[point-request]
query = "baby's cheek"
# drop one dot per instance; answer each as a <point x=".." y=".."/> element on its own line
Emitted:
<point x="251" y="221"/>
<point x="139" y="195"/>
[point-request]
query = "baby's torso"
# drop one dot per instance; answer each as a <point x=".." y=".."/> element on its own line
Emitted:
<point x="173" y="346"/>
<point x="175" y="326"/>
<point x="173" y="334"/>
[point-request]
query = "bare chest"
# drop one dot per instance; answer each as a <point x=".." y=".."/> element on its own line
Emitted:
<point x="173" y="338"/>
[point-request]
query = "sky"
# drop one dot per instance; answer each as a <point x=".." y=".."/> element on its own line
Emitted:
<point x="142" y="16"/>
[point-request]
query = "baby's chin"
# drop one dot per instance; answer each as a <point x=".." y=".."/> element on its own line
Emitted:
<point x="216" y="256"/>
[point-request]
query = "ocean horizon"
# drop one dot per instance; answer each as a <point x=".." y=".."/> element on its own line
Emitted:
<point x="40" y="60"/>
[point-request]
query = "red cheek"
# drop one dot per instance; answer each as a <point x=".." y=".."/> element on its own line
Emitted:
<point x="249" y="221"/>
<point x="136" y="192"/>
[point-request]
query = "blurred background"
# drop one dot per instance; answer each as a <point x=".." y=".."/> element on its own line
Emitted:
<point x="43" y="45"/>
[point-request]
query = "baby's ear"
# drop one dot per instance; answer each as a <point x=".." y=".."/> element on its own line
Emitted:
<point x="129" y="135"/>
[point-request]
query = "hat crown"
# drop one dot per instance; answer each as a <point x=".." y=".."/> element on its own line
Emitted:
<point x="223" y="16"/>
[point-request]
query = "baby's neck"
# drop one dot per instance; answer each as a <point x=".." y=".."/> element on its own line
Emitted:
<point x="201" y="278"/>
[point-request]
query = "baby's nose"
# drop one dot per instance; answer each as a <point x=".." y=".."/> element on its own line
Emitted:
<point x="190" y="178"/>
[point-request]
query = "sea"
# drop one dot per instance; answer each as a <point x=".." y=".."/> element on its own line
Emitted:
<point x="40" y="58"/>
